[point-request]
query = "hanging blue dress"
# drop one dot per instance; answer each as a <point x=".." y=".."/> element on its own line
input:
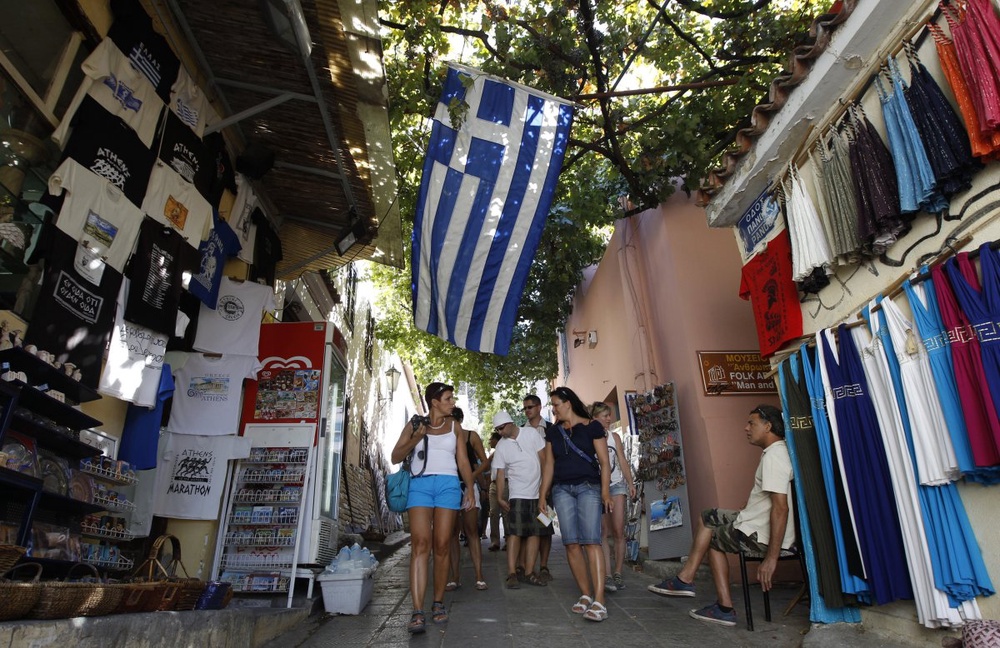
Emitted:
<point x="848" y="555"/>
<point x="805" y="464"/>
<point x="935" y="338"/>
<point x="867" y="473"/>
<point x="956" y="560"/>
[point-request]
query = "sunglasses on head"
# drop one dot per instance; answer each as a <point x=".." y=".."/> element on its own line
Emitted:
<point x="761" y="413"/>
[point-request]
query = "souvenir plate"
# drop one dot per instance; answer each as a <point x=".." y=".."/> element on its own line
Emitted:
<point x="81" y="487"/>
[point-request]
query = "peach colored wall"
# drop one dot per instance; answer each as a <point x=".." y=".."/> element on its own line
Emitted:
<point x="687" y="275"/>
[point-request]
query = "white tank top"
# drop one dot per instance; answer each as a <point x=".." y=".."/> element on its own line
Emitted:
<point x="616" y="470"/>
<point x="440" y="454"/>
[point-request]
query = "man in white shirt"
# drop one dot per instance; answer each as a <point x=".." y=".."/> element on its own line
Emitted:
<point x="767" y="516"/>
<point x="532" y="405"/>
<point x="518" y="460"/>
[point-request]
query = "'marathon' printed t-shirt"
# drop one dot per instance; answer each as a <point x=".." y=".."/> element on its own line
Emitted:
<point x="207" y="393"/>
<point x="76" y="306"/>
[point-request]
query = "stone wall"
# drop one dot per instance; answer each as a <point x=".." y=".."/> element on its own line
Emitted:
<point x="357" y="500"/>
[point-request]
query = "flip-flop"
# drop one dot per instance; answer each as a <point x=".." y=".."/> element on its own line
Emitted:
<point x="582" y="605"/>
<point x="481" y="585"/>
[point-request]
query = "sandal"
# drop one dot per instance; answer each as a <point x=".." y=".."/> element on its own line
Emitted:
<point x="597" y="612"/>
<point x="545" y="574"/>
<point x="481" y="585"/>
<point x="417" y="622"/>
<point x="535" y="579"/>
<point x="582" y="605"/>
<point x="438" y="612"/>
<point x="452" y="586"/>
<point x="512" y="582"/>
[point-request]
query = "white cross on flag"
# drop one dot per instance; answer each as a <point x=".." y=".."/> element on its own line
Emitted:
<point x="484" y="197"/>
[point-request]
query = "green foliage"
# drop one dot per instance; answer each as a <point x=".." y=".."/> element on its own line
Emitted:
<point x="637" y="146"/>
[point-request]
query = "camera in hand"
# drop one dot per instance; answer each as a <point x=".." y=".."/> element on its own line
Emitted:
<point x="417" y="420"/>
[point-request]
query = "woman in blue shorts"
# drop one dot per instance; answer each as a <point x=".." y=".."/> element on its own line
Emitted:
<point x="577" y="469"/>
<point x="435" y="495"/>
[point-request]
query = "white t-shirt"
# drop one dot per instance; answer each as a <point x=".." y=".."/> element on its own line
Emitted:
<point x="191" y="474"/>
<point x="123" y="91"/>
<point x="189" y="102"/>
<point x="96" y="213"/>
<point x="233" y="326"/>
<point x="518" y="458"/>
<point x="616" y="470"/>
<point x="176" y="203"/>
<point x="240" y="217"/>
<point x="207" y="394"/>
<point x="135" y="358"/>
<point x="774" y="475"/>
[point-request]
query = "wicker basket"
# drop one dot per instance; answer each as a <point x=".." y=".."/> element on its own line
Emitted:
<point x="9" y="555"/>
<point x="179" y="593"/>
<point x="18" y="598"/>
<point x="103" y="598"/>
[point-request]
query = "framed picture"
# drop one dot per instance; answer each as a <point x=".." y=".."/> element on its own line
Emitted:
<point x="108" y="445"/>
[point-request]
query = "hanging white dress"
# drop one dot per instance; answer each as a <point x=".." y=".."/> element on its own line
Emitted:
<point x="810" y="246"/>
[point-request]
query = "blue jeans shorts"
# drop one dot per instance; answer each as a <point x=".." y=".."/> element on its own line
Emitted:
<point x="435" y="491"/>
<point x="579" y="508"/>
<point x="619" y="488"/>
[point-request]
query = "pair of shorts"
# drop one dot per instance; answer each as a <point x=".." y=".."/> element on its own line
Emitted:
<point x="619" y="488"/>
<point x="435" y="491"/>
<point x="579" y="508"/>
<point x="725" y="536"/>
<point x="523" y="518"/>
<point x="476" y="497"/>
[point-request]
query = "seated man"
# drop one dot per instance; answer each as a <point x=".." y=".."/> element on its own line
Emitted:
<point x="767" y="515"/>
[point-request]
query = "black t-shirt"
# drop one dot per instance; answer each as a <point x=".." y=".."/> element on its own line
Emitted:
<point x="190" y="306"/>
<point x="106" y="145"/>
<point x="571" y="468"/>
<point x="267" y="249"/>
<point x="225" y="174"/>
<point x="185" y="153"/>
<point x="74" y="315"/>
<point x="132" y="32"/>
<point x="161" y="257"/>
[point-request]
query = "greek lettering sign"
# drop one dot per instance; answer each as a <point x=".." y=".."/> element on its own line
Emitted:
<point x="735" y="372"/>
<point x="757" y="222"/>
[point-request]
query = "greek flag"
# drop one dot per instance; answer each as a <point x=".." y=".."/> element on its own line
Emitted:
<point x="485" y="192"/>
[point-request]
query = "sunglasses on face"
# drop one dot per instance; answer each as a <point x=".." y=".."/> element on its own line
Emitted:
<point x="528" y="407"/>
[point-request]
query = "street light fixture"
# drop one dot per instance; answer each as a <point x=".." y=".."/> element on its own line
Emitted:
<point x="392" y="375"/>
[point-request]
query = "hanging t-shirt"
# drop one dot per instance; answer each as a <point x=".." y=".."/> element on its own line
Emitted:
<point x="209" y="390"/>
<point x="156" y="270"/>
<point x="241" y="217"/>
<point x="189" y="103"/>
<point x="267" y="252"/>
<point x="107" y="146"/>
<point x="234" y="325"/>
<point x="96" y="213"/>
<point x="221" y="244"/>
<point x="76" y="306"/>
<point x="135" y="358"/>
<point x="191" y="307"/>
<point x="191" y="474"/>
<point x="767" y="283"/>
<point x="172" y="201"/>
<point x="132" y="31"/>
<point x="120" y="88"/>
<point x="141" y="431"/>
<point x="224" y="174"/>
<point x="184" y="152"/>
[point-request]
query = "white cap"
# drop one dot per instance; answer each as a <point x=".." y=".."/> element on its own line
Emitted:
<point x="501" y="418"/>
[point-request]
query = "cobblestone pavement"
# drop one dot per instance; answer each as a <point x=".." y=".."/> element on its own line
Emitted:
<point x="532" y="615"/>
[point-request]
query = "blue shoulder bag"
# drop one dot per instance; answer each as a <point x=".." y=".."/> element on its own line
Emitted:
<point x="397" y="484"/>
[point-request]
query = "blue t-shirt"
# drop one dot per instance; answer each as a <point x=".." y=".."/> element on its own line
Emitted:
<point x="570" y="467"/>
<point x="221" y="244"/>
<point x="141" y="432"/>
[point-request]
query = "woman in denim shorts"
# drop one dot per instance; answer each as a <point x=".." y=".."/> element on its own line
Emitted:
<point x="435" y="495"/>
<point x="577" y="470"/>
<point x="613" y="523"/>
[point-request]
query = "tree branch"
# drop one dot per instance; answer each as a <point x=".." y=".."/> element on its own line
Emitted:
<point x="690" y="5"/>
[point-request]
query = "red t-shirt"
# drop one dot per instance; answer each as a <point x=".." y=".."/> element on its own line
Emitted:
<point x="767" y="283"/>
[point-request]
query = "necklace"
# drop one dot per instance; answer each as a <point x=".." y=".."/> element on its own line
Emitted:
<point x="437" y="427"/>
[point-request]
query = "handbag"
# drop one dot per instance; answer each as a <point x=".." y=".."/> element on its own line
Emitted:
<point x="397" y="484"/>
<point x="593" y="461"/>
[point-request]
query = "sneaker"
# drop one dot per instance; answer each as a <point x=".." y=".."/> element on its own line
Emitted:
<point x="714" y="614"/>
<point x="512" y="582"/>
<point x="619" y="581"/>
<point x="609" y="585"/>
<point x="672" y="587"/>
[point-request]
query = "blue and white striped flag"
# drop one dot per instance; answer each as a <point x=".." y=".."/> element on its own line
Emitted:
<point x="484" y="196"/>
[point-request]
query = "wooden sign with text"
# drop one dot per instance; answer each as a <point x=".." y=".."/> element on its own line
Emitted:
<point x="735" y="372"/>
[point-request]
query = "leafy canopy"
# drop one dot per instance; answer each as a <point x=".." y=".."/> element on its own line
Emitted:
<point x="626" y="150"/>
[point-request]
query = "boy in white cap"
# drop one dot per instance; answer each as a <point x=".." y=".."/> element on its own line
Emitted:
<point x="518" y="459"/>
